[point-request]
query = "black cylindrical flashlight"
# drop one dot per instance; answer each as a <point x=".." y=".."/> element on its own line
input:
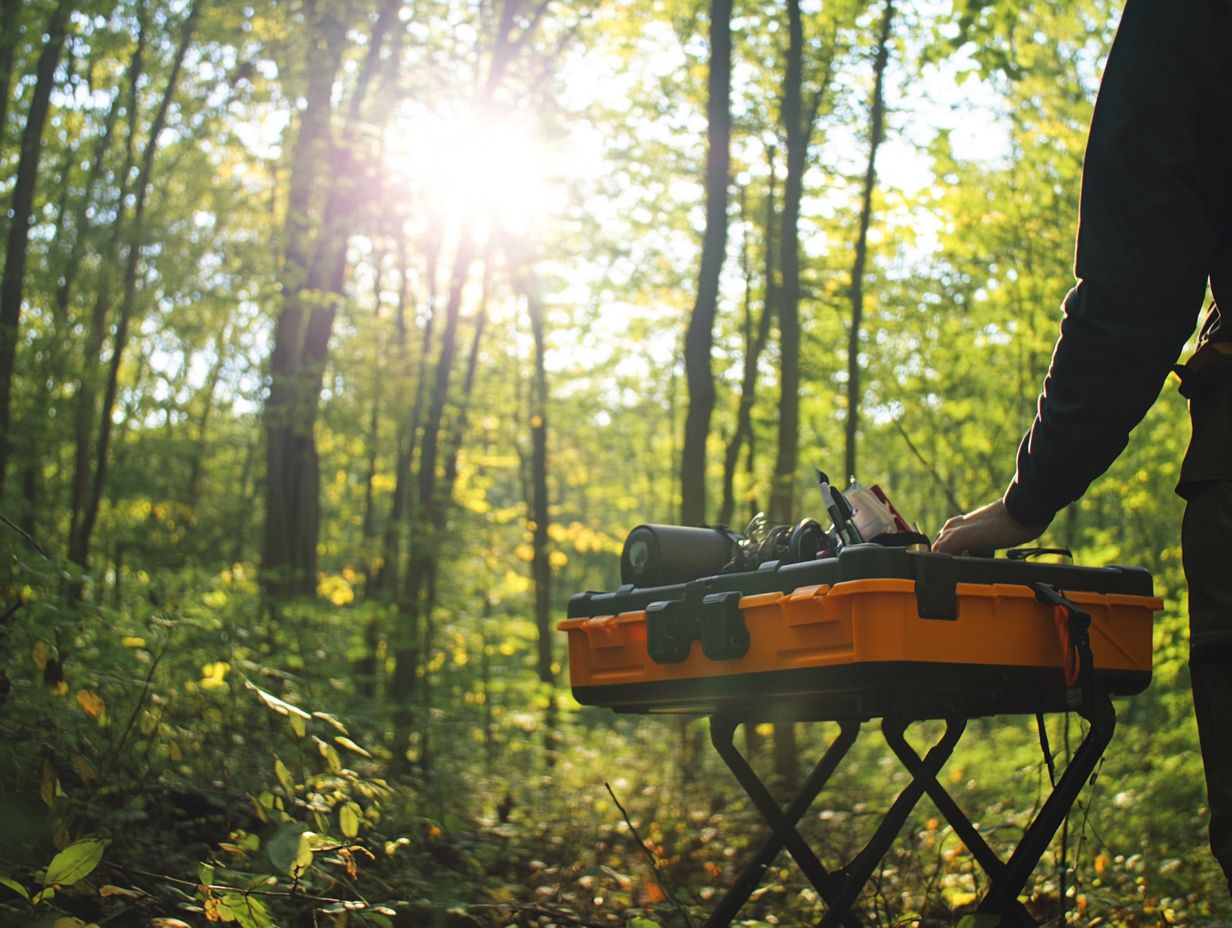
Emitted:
<point x="661" y="555"/>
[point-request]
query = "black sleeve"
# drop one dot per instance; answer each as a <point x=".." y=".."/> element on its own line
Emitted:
<point x="1146" y="240"/>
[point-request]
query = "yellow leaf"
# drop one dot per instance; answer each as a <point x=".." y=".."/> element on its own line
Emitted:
<point x="280" y="706"/>
<point x="333" y="720"/>
<point x="122" y="892"/>
<point x="351" y="746"/>
<point x="132" y="641"/>
<point x="168" y="923"/>
<point x="348" y="819"/>
<point x="41" y="653"/>
<point x="91" y="703"/>
<point x="67" y="922"/>
<point x="331" y="756"/>
<point x="173" y="749"/>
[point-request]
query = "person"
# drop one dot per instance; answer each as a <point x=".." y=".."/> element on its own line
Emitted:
<point x="1155" y="227"/>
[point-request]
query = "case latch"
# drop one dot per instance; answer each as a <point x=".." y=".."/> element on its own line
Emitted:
<point x="725" y="637"/>
<point x="671" y="628"/>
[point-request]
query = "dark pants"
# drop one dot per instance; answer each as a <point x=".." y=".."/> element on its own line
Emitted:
<point x="1207" y="544"/>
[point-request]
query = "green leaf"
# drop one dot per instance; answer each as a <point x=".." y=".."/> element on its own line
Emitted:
<point x="284" y="776"/>
<point x="205" y="873"/>
<point x="75" y="862"/>
<point x="641" y="921"/>
<point x="15" y="887"/>
<point x="348" y="819"/>
<point x="979" y="920"/>
<point x="248" y="911"/>
<point x="290" y="849"/>
<point x="298" y="727"/>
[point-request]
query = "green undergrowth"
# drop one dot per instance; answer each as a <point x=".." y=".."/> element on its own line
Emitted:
<point x="184" y="756"/>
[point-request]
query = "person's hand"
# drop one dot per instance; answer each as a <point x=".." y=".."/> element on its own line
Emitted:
<point x="989" y="527"/>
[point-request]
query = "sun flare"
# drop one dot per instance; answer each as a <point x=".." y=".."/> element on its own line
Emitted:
<point x="488" y="166"/>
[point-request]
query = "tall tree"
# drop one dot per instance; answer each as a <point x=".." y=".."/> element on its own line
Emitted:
<point x="21" y="212"/>
<point x="319" y="222"/>
<point x="756" y="335"/>
<point x="699" y="338"/>
<point x="80" y="543"/>
<point x="8" y="50"/>
<point x="860" y="259"/>
<point x="540" y="511"/>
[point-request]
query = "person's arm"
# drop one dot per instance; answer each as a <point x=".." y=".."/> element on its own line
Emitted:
<point x="1146" y="240"/>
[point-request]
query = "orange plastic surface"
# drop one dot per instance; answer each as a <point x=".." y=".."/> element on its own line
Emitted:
<point x="873" y="620"/>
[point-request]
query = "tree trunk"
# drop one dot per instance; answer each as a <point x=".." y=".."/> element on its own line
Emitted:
<point x="407" y="648"/>
<point x="314" y="276"/>
<point x="876" y="133"/>
<point x="754" y="344"/>
<point x="301" y="335"/>
<point x="81" y="542"/>
<point x="21" y="214"/>
<point x="699" y="338"/>
<point x="798" y="129"/>
<point x="209" y="390"/>
<point x="8" y="46"/>
<point x="786" y="468"/>
<point x="540" y="516"/>
<point x="85" y="400"/>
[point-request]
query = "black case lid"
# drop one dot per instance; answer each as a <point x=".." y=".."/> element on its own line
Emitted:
<point x="935" y="575"/>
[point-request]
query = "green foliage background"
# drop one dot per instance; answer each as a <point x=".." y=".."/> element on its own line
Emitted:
<point x="178" y="748"/>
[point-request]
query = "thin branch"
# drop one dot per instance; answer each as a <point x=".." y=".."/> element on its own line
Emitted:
<point x="654" y="863"/>
<point x="27" y="536"/>
<point x="945" y="486"/>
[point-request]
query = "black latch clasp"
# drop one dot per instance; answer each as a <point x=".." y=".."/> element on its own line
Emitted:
<point x="715" y="619"/>
<point x="671" y="628"/>
<point x="724" y="634"/>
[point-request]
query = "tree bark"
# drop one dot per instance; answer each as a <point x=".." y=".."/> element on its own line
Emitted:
<point x="754" y="343"/>
<point x="314" y="275"/>
<point x="301" y="335"/>
<point x="407" y="648"/>
<point x="876" y="134"/>
<point x="540" y="514"/>
<point x="80" y="544"/>
<point x="85" y="399"/>
<point x="22" y="211"/>
<point x="8" y="48"/>
<point x="699" y="338"/>
<point x="387" y="580"/>
<point x="541" y="571"/>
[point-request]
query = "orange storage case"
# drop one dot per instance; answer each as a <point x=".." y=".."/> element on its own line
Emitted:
<point x="861" y="648"/>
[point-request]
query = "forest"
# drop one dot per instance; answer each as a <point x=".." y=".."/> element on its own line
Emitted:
<point x="342" y="341"/>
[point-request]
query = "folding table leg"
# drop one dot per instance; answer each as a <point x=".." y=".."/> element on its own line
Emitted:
<point x="782" y="822"/>
<point x="1039" y="833"/>
<point x="966" y="831"/>
<point x="856" y="874"/>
